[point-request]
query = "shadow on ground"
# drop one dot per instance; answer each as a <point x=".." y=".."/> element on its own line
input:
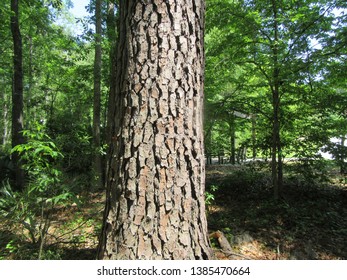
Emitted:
<point x="309" y="223"/>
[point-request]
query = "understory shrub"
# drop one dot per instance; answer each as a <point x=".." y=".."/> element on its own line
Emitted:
<point x="31" y="209"/>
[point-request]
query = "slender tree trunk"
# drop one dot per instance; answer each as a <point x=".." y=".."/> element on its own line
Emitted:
<point x="17" y="93"/>
<point x="112" y="38"/>
<point x="208" y="143"/>
<point x="254" y="137"/>
<point x="5" y="137"/>
<point x="28" y="99"/>
<point x="277" y="173"/>
<point x="97" y="98"/>
<point x="112" y="27"/>
<point x="276" y="159"/>
<point x="232" y="140"/>
<point x="280" y="166"/>
<point x="155" y="202"/>
<point x="342" y="155"/>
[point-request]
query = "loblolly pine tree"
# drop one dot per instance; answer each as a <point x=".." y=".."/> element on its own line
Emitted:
<point x="155" y="185"/>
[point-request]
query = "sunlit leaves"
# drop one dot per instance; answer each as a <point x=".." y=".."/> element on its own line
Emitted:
<point x="308" y="43"/>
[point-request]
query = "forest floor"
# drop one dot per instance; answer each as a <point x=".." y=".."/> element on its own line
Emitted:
<point x="310" y="222"/>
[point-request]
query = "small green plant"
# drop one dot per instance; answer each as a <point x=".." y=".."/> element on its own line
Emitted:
<point x="210" y="195"/>
<point x="11" y="247"/>
<point x="52" y="255"/>
<point x="32" y="208"/>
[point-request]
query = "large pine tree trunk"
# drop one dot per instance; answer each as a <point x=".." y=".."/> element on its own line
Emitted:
<point x="155" y="202"/>
<point x="17" y="94"/>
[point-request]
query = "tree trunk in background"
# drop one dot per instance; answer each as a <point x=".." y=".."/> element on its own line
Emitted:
<point x="208" y="143"/>
<point x="232" y="140"/>
<point x="97" y="167"/>
<point x="112" y="38"/>
<point x="5" y="137"/>
<point x="17" y="94"/>
<point x="274" y="151"/>
<point x="254" y="136"/>
<point x="277" y="173"/>
<point x="30" y="114"/>
<point x="342" y="155"/>
<point x="155" y="205"/>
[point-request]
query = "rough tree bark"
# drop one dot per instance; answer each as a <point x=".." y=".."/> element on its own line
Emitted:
<point x="155" y="199"/>
<point x="17" y="94"/>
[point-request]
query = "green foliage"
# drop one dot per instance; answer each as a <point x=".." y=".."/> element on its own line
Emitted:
<point x="254" y="49"/>
<point x="74" y="140"/>
<point x="32" y="208"/>
<point x="309" y="172"/>
<point x="210" y="195"/>
<point x="37" y="154"/>
<point x="11" y="247"/>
